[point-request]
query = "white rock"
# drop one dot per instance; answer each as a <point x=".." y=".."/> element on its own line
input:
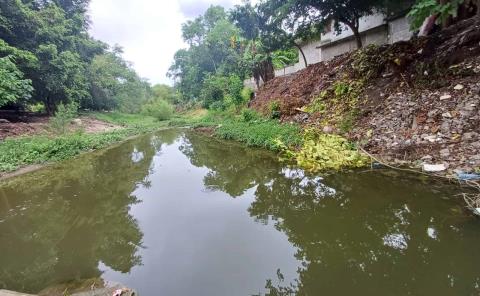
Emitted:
<point x="445" y="97"/>
<point x="447" y="115"/>
<point x="434" y="167"/>
<point x="458" y="87"/>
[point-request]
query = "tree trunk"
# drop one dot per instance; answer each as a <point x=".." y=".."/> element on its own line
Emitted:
<point x="478" y="7"/>
<point x="358" y="37"/>
<point x="303" y="54"/>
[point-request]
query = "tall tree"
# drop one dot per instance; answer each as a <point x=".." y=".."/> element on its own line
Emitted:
<point x="307" y="15"/>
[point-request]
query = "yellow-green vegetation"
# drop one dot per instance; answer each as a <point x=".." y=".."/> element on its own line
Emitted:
<point x="17" y="152"/>
<point x="311" y="149"/>
<point x="338" y="105"/>
<point x="324" y="152"/>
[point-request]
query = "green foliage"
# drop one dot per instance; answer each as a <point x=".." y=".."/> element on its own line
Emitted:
<point x="18" y="152"/>
<point x="425" y="8"/>
<point x="284" y="58"/>
<point x="13" y="86"/>
<point x="318" y="104"/>
<point x="274" y="110"/>
<point x="306" y="18"/>
<point x="137" y="121"/>
<point x="247" y="94"/>
<point x="248" y="115"/>
<point x="260" y="133"/>
<point x="160" y="109"/>
<point x="368" y="62"/>
<point x="49" y="44"/>
<point x="220" y="92"/>
<point x="322" y="152"/>
<point x="64" y="115"/>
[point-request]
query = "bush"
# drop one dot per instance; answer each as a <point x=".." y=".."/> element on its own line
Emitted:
<point x="64" y="115"/>
<point x="248" y="115"/>
<point x="159" y="109"/>
<point x="247" y="94"/>
<point x="274" y="110"/>
<point x="324" y="152"/>
<point x="266" y="133"/>
<point x="225" y="90"/>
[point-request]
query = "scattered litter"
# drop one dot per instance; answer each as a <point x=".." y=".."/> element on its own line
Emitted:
<point x="468" y="176"/>
<point x="434" y="167"/>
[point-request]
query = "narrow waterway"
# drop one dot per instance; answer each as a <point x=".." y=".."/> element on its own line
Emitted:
<point x="179" y="213"/>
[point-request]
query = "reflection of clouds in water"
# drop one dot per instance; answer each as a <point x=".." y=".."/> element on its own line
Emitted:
<point x="432" y="233"/>
<point x="137" y="156"/>
<point x="321" y="190"/>
<point x="396" y="240"/>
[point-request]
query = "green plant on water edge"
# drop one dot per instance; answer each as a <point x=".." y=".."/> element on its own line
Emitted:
<point x="261" y="133"/>
<point x="324" y="152"/>
<point x="59" y="123"/>
<point x="17" y="152"/>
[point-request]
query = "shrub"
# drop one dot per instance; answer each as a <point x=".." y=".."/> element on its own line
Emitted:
<point x="248" y="115"/>
<point x="324" y="152"/>
<point x="63" y="117"/>
<point x="159" y="109"/>
<point x="266" y="133"/>
<point x="274" y="110"/>
<point x="247" y="94"/>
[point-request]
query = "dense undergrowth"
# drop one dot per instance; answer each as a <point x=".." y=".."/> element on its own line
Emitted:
<point x="17" y="152"/>
<point x="310" y="148"/>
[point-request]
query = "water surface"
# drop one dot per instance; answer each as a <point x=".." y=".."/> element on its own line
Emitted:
<point x="178" y="213"/>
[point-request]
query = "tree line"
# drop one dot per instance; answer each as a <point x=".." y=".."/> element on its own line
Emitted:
<point x="228" y="46"/>
<point x="47" y="58"/>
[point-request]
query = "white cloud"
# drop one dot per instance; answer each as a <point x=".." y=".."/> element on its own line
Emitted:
<point x="148" y="30"/>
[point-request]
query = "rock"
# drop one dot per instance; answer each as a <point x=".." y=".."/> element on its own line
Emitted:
<point x="445" y="152"/>
<point x="2" y="120"/>
<point x="445" y="97"/>
<point x="469" y="136"/>
<point x="328" y="129"/>
<point x="447" y="115"/>
<point x="427" y="157"/>
<point x="77" y="121"/>
<point x="434" y="167"/>
<point x="458" y="87"/>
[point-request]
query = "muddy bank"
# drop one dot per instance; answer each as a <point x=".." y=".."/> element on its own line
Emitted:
<point x="412" y="103"/>
<point x="28" y="124"/>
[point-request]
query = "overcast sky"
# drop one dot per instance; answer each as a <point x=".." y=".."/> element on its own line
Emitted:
<point x="148" y="30"/>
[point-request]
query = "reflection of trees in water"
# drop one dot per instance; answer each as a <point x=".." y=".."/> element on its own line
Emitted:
<point x="233" y="168"/>
<point x="62" y="222"/>
<point x="366" y="233"/>
<point x="367" y="238"/>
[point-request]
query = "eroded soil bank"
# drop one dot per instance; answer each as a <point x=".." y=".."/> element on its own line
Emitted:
<point x="409" y="103"/>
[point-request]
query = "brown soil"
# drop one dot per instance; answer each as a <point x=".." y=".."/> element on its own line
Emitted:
<point x="419" y="100"/>
<point x="26" y="124"/>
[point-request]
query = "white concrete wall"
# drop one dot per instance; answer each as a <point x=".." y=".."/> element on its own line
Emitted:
<point x="399" y="30"/>
<point x="379" y="32"/>
<point x="366" y="23"/>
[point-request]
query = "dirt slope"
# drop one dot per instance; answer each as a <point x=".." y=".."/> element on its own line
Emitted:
<point x="410" y="101"/>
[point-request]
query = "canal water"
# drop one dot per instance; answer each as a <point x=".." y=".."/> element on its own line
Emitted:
<point x="179" y="213"/>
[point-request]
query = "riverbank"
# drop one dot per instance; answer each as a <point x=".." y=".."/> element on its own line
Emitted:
<point x="413" y="103"/>
<point x="25" y="153"/>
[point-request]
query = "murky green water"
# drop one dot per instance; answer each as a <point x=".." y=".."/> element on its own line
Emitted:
<point x="182" y="214"/>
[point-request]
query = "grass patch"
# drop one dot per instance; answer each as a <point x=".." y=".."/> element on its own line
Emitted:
<point x="265" y="133"/>
<point x="127" y="120"/>
<point x="17" y="152"/>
